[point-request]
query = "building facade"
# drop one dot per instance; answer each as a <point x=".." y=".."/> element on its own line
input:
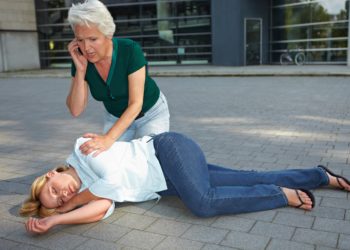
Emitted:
<point x="217" y="32"/>
<point x="18" y="35"/>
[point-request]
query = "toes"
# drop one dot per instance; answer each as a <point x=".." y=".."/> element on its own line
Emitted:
<point x="305" y="198"/>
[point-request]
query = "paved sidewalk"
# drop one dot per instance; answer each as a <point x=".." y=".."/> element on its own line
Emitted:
<point x="241" y="122"/>
<point x="208" y="70"/>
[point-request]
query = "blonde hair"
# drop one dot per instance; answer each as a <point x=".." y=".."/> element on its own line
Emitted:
<point x="32" y="206"/>
<point x="92" y="12"/>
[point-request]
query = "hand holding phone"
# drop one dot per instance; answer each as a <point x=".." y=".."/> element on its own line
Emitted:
<point x="77" y="55"/>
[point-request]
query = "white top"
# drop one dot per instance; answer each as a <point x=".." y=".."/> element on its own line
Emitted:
<point x="128" y="171"/>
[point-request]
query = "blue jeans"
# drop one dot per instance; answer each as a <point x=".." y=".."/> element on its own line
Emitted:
<point x="209" y="190"/>
<point x="155" y="121"/>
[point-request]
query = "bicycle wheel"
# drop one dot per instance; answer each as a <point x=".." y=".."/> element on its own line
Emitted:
<point x="285" y="59"/>
<point x="299" y="58"/>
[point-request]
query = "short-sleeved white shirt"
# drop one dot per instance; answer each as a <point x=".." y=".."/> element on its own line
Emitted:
<point x="128" y="171"/>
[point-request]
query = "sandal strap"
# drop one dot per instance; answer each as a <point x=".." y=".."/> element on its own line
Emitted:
<point x="301" y="201"/>
<point x="341" y="185"/>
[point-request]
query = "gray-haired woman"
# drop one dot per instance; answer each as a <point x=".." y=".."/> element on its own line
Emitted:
<point x="115" y="72"/>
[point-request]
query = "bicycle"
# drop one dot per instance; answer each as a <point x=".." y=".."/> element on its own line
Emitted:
<point x="296" y="56"/>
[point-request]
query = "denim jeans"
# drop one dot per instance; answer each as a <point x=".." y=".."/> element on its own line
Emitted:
<point x="155" y="121"/>
<point x="209" y="190"/>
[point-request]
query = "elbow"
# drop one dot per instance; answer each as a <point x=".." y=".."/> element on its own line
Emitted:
<point x="100" y="216"/>
<point x="106" y="206"/>
<point x="75" y="114"/>
<point x="73" y="111"/>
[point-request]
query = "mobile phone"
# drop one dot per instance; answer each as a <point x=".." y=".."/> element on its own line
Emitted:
<point x="79" y="51"/>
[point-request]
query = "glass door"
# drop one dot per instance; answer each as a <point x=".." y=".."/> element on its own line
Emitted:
<point x="253" y="41"/>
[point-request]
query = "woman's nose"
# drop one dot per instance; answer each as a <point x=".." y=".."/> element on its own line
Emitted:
<point x="86" y="45"/>
<point x="65" y="192"/>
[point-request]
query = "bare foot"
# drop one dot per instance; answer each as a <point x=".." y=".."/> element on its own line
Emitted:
<point x="298" y="199"/>
<point x="338" y="182"/>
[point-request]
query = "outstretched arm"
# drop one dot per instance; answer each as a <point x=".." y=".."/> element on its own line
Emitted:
<point x="91" y="212"/>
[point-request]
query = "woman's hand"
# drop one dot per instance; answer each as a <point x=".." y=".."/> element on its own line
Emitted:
<point x="39" y="226"/>
<point x="79" y="60"/>
<point x="98" y="143"/>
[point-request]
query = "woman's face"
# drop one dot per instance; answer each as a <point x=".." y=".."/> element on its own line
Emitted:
<point x="92" y="42"/>
<point x="58" y="189"/>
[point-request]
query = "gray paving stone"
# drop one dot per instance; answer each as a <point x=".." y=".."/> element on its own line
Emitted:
<point x="61" y="240"/>
<point x="175" y="243"/>
<point x="78" y="229"/>
<point x="273" y="230"/>
<point x="93" y="244"/>
<point x="140" y="239"/>
<point x="344" y="241"/>
<point x="325" y="248"/>
<point x="165" y="212"/>
<point x="245" y="241"/>
<point x="347" y="215"/>
<point x="316" y="237"/>
<point x="234" y="223"/>
<point x="7" y="227"/>
<point x="27" y="247"/>
<point x="114" y="216"/>
<point x="217" y="247"/>
<point x="107" y="232"/>
<point x="35" y="240"/>
<point x="168" y="227"/>
<point x="260" y="216"/>
<point x="336" y="202"/>
<point x="205" y="234"/>
<point x="294" y="220"/>
<point x="136" y="208"/>
<point x="327" y="212"/>
<point x="135" y="221"/>
<point x="331" y="225"/>
<point x="7" y="244"/>
<point x="276" y="244"/>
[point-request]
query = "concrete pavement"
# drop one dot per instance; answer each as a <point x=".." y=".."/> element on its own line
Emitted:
<point x="261" y="123"/>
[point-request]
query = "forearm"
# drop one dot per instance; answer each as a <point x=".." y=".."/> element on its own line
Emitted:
<point x="78" y="94"/>
<point x="91" y="212"/>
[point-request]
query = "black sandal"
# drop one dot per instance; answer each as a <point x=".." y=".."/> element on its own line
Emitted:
<point x="311" y="196"/>
<point x="336" y="176"/>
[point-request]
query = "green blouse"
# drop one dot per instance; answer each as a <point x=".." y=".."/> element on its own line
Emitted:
<point x="127" y="58"/>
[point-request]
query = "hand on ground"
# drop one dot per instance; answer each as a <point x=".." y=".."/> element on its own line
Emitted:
<point x="39" y="226"/>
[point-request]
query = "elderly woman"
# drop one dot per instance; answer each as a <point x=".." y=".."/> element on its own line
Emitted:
<point x="114" y="70"/>
<point x="167" y="164"/>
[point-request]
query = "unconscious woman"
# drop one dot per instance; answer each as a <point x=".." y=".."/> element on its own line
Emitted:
<point x="115" y="71"/>
<point x="86" y="188"/>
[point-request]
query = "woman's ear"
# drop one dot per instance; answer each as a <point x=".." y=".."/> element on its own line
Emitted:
<point x="51" y="173"/>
